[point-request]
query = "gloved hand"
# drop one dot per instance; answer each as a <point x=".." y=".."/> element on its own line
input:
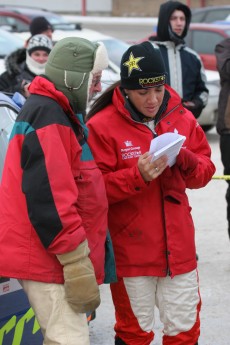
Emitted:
<point x="195" y="107"/>
<point x="82" y="291"/>
<point x="186" y="160"/>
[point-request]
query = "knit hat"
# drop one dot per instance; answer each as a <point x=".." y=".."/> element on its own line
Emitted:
<point x="142" y="66"/>
<point x="39" y="25"/>
<point x="71" y="65"/>
<point x="39" y="42"/>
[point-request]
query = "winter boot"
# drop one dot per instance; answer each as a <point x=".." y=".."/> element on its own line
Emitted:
<point x="119" y="341"/>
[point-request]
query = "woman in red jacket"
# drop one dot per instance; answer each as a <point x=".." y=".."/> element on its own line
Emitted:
<point x="149" y="214"/>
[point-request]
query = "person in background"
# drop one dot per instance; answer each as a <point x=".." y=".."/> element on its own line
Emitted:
<point x="24" y="64"/>
<point x="40" y="25"/>
<point x="185" y="71"/>
<point x="222" y="52"/>
<point x="150" y="222"/>
<point x="53" y="204"/>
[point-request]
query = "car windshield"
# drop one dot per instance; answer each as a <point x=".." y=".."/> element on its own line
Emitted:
<point x="9" y="43"/>
<point x="116" y="49"/>
<point x="210" y="15"/>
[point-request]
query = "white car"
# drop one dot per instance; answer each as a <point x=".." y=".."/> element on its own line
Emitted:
<point x="8" y="43"/>
<point x="208" y="117"/>
<point x="114" y="46"/>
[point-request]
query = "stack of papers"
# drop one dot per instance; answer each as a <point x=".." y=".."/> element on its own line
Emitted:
<point x="167" y="144"/>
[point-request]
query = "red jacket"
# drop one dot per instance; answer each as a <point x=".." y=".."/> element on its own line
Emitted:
<point x="52" y="194"/>
<point x="150" y="223"/>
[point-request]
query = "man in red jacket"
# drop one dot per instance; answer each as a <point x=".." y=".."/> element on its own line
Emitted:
<point x="53" y="205"/>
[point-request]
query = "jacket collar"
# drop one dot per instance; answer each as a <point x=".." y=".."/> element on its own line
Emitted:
<point x="42" y="86"/>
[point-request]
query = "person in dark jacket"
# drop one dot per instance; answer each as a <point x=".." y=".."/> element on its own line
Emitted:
<point x="40" y="25"/>
<point x="185" y="71"/>
<point x="53" y="204"/>
<point x="24" y="64"/>
<point x="222" y="52"/>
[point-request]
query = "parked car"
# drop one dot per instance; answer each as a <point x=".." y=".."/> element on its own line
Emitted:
<point x="210" y="14"/>
<point x="9" y="110"/>
<point x="114" y="46"/>
<point x="8" y="43"/>
<point x="117" y="47"/>
<point x="202" y="38"/>
<point x="18" y="18"/>
<point x="208" y="116"/>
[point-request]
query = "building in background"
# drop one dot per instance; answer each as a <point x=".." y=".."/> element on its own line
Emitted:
<point x="128" y="8"/>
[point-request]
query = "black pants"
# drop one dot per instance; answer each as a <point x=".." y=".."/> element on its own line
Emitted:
<point x="225" y="157"/>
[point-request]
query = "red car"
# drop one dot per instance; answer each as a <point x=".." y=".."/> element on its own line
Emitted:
<point x="203" y="39"/>
<point x="17" y="18"/>
<point x="210" y="14"/>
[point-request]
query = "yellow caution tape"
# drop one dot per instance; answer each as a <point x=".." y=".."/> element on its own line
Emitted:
<point x="221" y="177"/>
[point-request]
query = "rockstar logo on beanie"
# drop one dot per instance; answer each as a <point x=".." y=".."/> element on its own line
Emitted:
<point x="132" y="63"/>
<point x="142" y="66"/>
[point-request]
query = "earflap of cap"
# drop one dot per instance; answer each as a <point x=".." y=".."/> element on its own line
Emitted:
<point x="101" y="59"/>
<point x="74" y="85"/>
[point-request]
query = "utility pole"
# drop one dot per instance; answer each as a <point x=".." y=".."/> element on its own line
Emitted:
<point x="83" y="8"/>
<point x="202" y="3"/>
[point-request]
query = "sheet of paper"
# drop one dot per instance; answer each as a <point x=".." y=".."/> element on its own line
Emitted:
<point x="167" y="144"/>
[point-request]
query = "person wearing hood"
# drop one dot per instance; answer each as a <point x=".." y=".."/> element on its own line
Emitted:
<point x="222" y="52"/>
<point x="53" y="204"/>
<point x="185" y="71"/>
<point x="149" y="217"/>
<point x="24" y="64"/>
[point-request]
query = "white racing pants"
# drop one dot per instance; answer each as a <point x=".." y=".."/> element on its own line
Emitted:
<point x="177" y="299"/>
<point x="60" y="325"/>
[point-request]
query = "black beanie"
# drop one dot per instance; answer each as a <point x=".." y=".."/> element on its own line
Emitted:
<point x="142" y="66"/>
<point x="39" y="25"/>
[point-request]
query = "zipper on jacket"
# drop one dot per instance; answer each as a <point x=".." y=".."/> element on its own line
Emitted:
<point x="167" y="252"/>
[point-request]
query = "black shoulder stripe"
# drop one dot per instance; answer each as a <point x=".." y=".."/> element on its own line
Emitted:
<point x="36" y="187"/>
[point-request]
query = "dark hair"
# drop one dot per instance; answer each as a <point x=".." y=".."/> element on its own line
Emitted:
<point x="102" y="101"/>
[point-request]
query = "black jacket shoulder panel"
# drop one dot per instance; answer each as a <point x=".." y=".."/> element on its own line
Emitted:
<point x="40" y="111"/>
